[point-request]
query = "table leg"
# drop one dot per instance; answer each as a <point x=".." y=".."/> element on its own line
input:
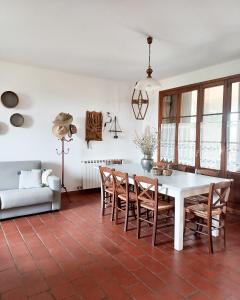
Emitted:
<point x="179" y="221"/>
<point x="102" y="198"/>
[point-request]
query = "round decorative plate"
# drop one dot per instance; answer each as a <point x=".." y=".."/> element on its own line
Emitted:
<point x="9" y="99"/>
<point x="17" y="120"/>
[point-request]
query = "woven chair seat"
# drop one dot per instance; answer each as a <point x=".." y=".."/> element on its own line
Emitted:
<point x="200" y="210"/>
<point x="162" y="205"/>
<point x="196" y="199"/>
<point x="132" y="197"/>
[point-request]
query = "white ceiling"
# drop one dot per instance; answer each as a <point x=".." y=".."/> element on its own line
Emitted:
<point x="106" y="38"/>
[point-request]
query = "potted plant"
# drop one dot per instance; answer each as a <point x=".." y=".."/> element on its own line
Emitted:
<point x="147" y="143"/>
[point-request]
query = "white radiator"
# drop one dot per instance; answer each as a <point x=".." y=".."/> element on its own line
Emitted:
<point x="90" y="172"/>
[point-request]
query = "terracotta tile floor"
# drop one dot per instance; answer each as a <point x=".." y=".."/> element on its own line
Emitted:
<point x="77" y="254"/>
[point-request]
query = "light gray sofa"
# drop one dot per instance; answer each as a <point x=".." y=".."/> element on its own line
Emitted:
<point x="18" y="202"/>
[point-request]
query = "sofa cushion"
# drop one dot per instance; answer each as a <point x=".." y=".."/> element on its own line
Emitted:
<point x="25" y="197"/>
<point x="30" y="179"/>
<point x="9" y="177"/>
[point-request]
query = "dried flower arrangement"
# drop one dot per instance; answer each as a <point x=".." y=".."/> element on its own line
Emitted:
<point x="147" y="142"/>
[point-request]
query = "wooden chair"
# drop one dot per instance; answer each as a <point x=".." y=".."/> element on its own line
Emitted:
<point x="107" y="187"/>
<point x="207" y="172"/>
<point x="180" y="167"/>
<point x="204" y="215"/>
<point x="124" y="199"/>
<point x="201" y="198"/>
<point x="146" y="190"/>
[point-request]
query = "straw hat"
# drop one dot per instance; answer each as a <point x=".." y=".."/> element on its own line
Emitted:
<point x="72" y="130"/>
<point x="59" y="131"/>
<point x="63" y="119"/>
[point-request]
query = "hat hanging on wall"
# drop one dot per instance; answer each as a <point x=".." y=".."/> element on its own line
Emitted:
<point x="72" y="130"/>
<point x="59" y="131"/>
<point x="62" y="126"/>
<point x="17" y="120"/>
<point x="63" y="119"/>
<point x="9" y="99"/>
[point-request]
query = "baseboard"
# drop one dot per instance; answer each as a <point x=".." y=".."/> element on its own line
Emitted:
<point x="78" y="192"/>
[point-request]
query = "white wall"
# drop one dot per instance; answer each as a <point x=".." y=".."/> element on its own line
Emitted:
<point x="43" y="94"/>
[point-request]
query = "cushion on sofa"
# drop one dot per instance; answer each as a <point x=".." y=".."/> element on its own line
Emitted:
<point x="25" y="197"/>
<point x="9" y="177"/>
<point x="45" y="174"/>
<point x="30" y="179"/>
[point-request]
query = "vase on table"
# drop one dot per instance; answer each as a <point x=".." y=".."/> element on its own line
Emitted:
<point x="147" y="162"/>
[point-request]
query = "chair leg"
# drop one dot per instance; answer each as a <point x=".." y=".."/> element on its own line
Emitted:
<point x="113" y="207"/>
<point x="147" y="213"/>
<point x="224" y="234"/>
<point x="134" y="212"/>
<point x="185" y="223"/>
<point x="210" y="242"/>
<point x="126" y="217"/>
<point x="103" y="204"/>
<point x="138" y="222"/>
<point x="224" y="237"/>
<point x="116" y="209"/>
<point x="154" y="228"/>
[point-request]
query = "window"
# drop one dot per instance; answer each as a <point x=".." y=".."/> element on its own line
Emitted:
<point x="233" y="130"/>
<point x="211" y="128"/>
<point x="187" y="128"/>
<point x="168" y="128"/>
<point x="199" y="125"/>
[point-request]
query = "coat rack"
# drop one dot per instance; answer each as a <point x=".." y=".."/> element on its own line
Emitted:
<point x="63" y="152"/>
<point x="115" y="128"/>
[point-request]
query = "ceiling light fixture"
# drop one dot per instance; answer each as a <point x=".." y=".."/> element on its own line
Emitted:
<point x="140" y="99"/>
<point x="149" y="82"/>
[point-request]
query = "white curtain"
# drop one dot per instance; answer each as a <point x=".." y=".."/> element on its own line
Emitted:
<point x="186" y="143"/>
<point x="233" y="146"/>
<point x="210" y="146"/>
<point x="167" y="143"/>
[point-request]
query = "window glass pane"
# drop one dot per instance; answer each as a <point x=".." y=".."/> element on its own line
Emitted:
<point x="188" y="120"/>
<point x="212" y="119"/>
<point x="169" y="106"/>
<point x="187" y="141"/>
<point x="235" y="105"/>
<point x="233" y="143"/>
<point x="213" y="100"/>
<point x="189" y="103"/>
<point x="210" y="142"/>
<point x="167" y="142"/>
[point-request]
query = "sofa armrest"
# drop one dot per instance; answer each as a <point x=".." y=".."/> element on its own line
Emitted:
<point x="54" y="183"/>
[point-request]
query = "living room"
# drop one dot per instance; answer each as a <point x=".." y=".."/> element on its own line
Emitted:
<point x="83" y="62"/>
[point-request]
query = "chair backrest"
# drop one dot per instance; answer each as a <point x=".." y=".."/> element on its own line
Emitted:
<point x="182" y="168"/>
<point x="160" y="164"/>
<point x="146" y="189"/>
<point x="120" y="183"/>
<point x="218" y="196"/>
<point x="207" y="172"/>
<point x="106" y="176"/>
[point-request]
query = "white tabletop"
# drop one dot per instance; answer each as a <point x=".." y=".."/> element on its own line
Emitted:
<point x="178" y="179"/>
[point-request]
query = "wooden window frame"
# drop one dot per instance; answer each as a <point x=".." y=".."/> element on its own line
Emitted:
<point x="227" y="84"/>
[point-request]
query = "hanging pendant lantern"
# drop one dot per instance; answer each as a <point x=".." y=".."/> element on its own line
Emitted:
<point x="148" y="83"/>
<point x="140" y="102"/>
<point x="140" y="99"/>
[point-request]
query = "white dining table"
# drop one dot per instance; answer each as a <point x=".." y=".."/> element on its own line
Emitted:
<point x="179" y="185"/>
